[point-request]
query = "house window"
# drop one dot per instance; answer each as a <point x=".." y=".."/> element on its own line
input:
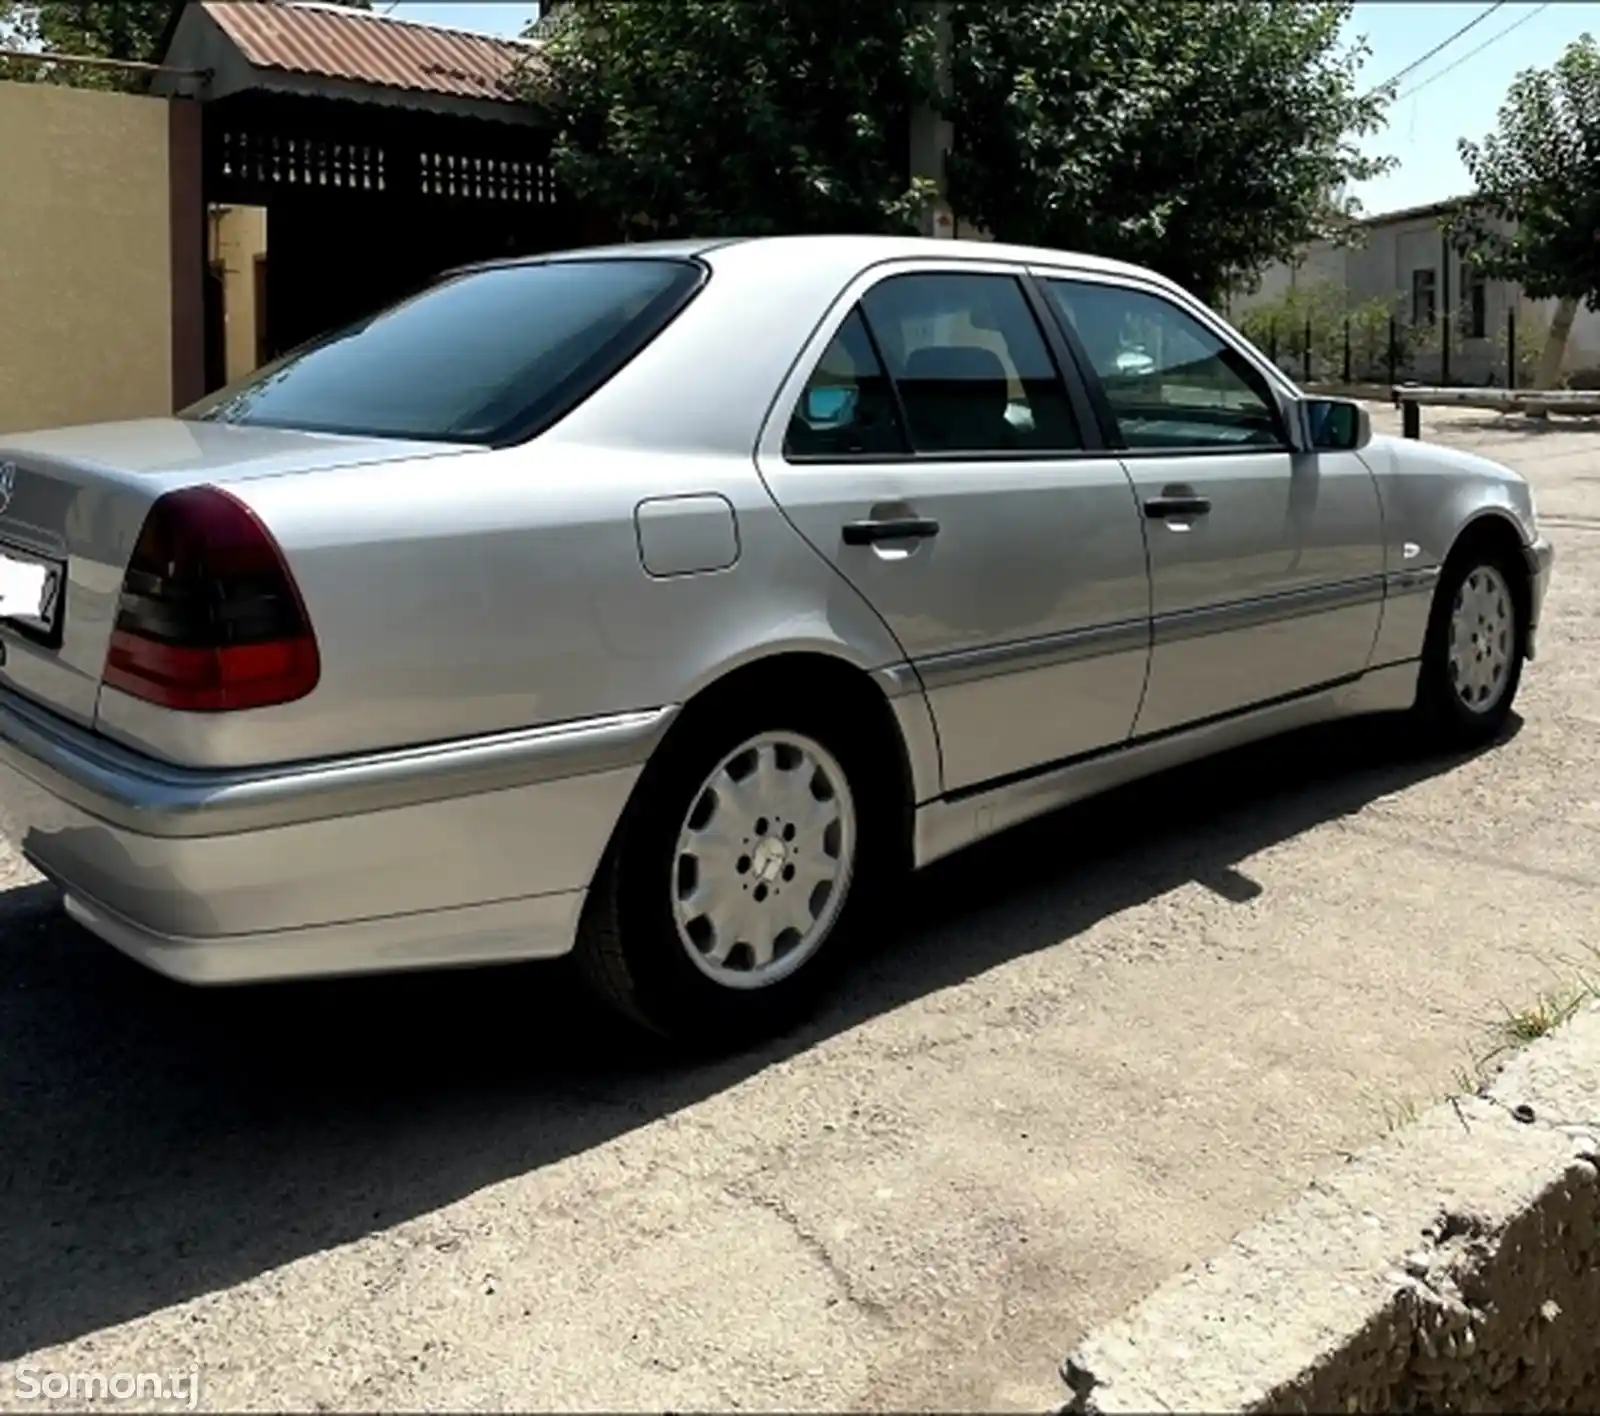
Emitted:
<point x="1424" y="296"/>
<point x="1475" y="311"/>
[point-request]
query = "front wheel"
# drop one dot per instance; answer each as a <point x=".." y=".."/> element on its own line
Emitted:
<point x="731" y="878"/>
<point x="1477" y="639"/>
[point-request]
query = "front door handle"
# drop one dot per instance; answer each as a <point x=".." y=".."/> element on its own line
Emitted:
<point x="892" y="528"/>
<point x="1158" y="507"/>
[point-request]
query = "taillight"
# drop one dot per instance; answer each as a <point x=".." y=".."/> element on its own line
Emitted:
<point x="210" y="619"/>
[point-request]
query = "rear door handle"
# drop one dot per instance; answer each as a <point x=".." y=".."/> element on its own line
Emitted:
<point x="893" y="528"/>
<point x="1158" y="507"/>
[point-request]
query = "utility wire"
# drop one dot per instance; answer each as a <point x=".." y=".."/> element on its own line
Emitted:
<point x="1443" y="44"/>
<point x="1472" y="53"/>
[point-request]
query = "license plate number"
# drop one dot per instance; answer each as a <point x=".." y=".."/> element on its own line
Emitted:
<point x="30" y="591"/>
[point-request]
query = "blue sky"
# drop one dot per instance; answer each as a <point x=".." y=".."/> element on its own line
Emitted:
<point x="1423" y="127"/>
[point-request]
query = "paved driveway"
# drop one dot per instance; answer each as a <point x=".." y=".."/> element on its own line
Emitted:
<point x="1095" y="1050"/>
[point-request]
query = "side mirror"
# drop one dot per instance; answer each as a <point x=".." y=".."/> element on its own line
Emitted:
<point x="1335" y="424"/>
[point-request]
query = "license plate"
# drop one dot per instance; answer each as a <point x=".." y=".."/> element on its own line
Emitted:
<point x="30" y="591"/>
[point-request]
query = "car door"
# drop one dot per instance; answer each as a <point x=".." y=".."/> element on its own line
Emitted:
<point x="1266" y="564"/>
<point x="930" y="447"/>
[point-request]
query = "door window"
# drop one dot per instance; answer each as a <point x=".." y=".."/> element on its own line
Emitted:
<point x="971" y="365"/>
<point x="847" y="408"/>
<point x="1171" y="382"/>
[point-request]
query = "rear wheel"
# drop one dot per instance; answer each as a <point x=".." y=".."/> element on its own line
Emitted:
<point x="719" y="905"/>
<point x="1477" y="638"/>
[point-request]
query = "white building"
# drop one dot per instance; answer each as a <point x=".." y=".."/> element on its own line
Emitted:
<point x="1404" y="258"/>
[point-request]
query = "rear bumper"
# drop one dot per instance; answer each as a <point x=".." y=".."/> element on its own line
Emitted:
<point x="1541" y="558"/>
<point x="460" y="852"/>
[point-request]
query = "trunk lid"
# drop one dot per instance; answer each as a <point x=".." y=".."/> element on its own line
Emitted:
<point x="72" y="501"/>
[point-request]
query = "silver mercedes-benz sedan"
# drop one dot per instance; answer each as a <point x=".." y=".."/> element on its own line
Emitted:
<point x="664" y="603"/>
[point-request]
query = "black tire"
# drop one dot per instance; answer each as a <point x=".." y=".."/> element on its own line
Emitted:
<point x="1442" y="713"/>
<point x="629" y="948"/>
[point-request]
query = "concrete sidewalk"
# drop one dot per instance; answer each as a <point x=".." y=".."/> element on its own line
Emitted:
<point x="1453" y="1267"/>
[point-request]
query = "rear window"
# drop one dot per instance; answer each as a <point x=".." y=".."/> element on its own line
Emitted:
<point x="488" y="356"/>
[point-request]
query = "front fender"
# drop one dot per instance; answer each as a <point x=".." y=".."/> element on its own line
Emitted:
<point x="1431" y="496"/>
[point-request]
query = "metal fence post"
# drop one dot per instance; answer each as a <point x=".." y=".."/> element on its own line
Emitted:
<point x="1347" y="349"/>
<point x="1305" y="353"/>
<point x="1272" y="340"/>
<point x="1511" y="346"/>
<point x="1394" y="349"/>
<point x="1411" y="418"/>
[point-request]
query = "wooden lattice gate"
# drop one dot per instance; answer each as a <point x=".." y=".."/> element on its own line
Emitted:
<point x="366" y="202"/>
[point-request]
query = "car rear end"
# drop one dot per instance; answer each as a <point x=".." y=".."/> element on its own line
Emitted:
<point x="147" y="591"/>
<point x="171" y="751"/>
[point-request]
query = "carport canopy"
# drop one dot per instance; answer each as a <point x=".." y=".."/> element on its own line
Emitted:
<point x="305" y="49"/>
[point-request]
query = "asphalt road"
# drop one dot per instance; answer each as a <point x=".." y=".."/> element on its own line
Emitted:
<point x="1092" y="1052"/>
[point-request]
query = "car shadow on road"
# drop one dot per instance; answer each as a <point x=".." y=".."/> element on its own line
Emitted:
<point x="160" y="1142"/>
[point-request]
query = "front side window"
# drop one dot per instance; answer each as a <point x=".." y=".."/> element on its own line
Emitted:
<point x="971" y="365"/>
<point x="847" y="408"/>
<point x="1171" y="382"/>
<point x="478" y="358"/>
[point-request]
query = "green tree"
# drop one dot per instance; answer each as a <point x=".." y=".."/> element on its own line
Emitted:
<point x="1378" y="337"/>
<point x="18" y="30"/>
<point x="727" y="117"/>
<point x="101" y="29"/>
<point x="1313" y="311"/>
<point x="1325" y="310"/>
<point x="1534" y="216"/>
<point x="1203" y="139"/>
<point x="1532" y="330"/>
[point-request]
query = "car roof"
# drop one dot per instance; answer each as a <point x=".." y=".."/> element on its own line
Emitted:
<point x="870" y="250"/>
<point x="680" y="249"/>
<point x="844" y="250"/>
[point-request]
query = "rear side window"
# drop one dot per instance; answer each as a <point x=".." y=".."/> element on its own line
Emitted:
<point x="968" y="374"/>
<point x="971" y="364"/>
<point x="484" y="357"/>
<point x="847" y="408"/>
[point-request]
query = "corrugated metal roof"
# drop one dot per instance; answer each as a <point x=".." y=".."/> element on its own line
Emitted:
<point x="335" y="42"/>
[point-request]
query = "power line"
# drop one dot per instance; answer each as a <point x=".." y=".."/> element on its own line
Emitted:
<point x="1443" y="44"/>
<point x="1471" y="53"/>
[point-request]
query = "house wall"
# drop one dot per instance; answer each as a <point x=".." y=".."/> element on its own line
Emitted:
<point x="1381" y="268"/>
<point x="87" y="256"/>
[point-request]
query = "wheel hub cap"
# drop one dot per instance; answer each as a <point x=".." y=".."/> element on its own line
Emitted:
<point x="763" y="860"/>
<point x="768" y="859"/>
<point x="1482" y="639"/>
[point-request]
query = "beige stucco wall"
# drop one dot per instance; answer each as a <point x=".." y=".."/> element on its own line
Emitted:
<point x="85" y="256"/>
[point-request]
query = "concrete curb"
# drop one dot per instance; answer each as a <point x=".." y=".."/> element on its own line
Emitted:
<point x="1453" y="1266"/>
